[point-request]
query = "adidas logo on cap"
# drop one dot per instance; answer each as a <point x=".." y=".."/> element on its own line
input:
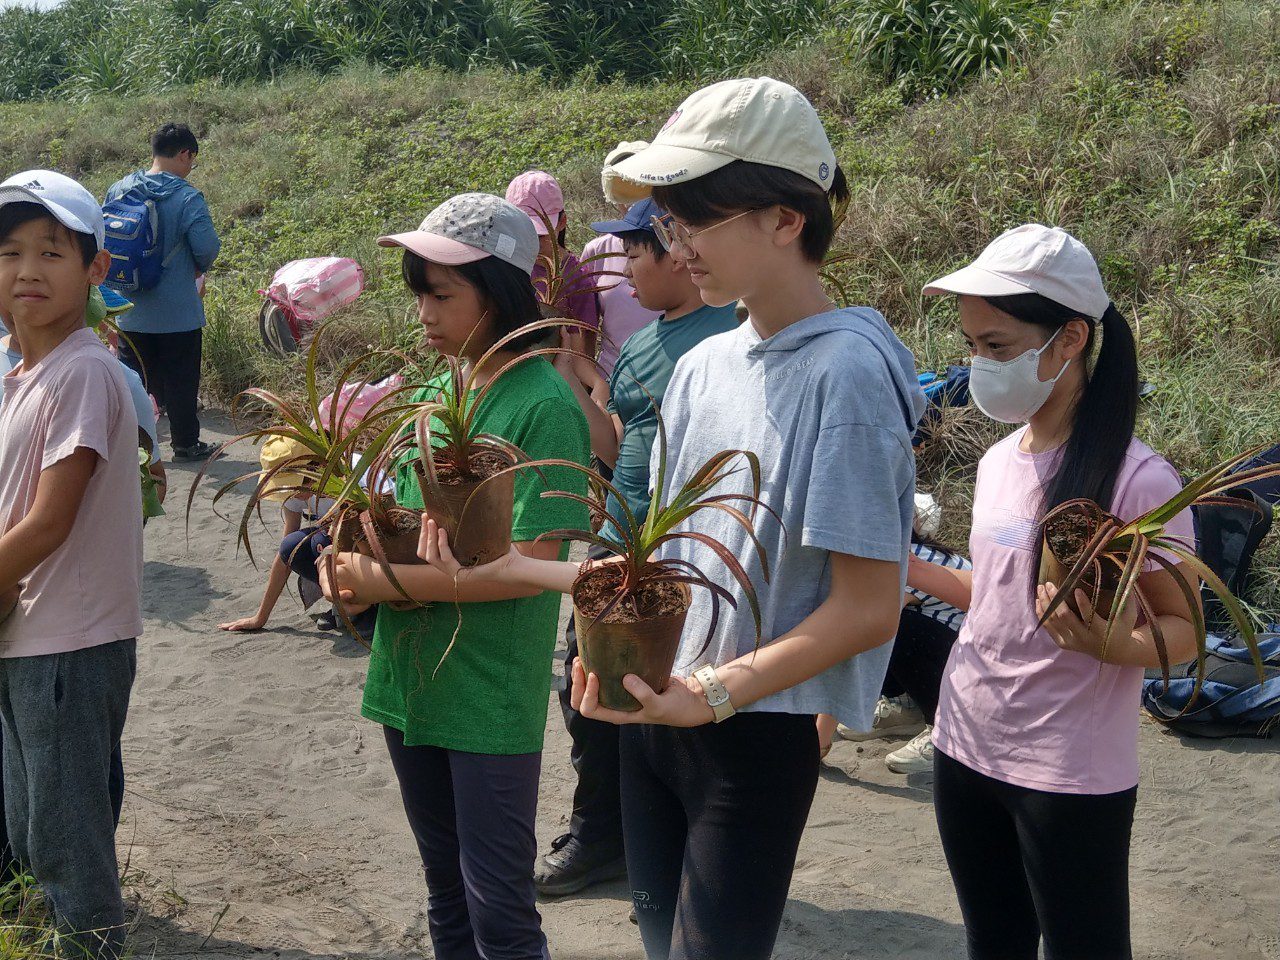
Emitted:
<point x="33" y="185"/>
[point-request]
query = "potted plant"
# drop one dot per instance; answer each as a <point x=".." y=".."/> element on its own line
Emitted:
<point x="343" y="457"/>
<point x="629" y="614"/>
<point x="1083" y="547"/>
<point x="467" y="476"/>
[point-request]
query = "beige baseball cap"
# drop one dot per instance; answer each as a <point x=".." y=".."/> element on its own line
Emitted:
<point x="626" y="148"/>
<point x="760" y="120"/>
<point x="1032" y="258"/>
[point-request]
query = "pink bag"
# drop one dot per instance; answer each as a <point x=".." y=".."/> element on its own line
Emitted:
<point x="351" y="410"/>
<point x="310" y="290"/>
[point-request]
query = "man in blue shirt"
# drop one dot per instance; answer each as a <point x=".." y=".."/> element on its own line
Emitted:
<point x="165" y="328"/>
<point x="623" y="433"/>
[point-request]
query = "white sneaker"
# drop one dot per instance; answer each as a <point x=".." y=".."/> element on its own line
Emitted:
<point x="915" y="757"/>
<point x="895" y="717"/>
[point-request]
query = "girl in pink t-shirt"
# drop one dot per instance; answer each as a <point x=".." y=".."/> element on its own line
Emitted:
<point x="1036" y="760"/>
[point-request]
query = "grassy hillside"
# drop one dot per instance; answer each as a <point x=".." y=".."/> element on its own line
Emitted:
<point x="1150" y="130"/>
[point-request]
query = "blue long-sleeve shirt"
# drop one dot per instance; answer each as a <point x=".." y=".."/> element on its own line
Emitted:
<point x="191" y="245"/>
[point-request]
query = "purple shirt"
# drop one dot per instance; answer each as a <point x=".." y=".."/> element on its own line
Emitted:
<point x="577" y="297"/>
<point x="620" y="312"/>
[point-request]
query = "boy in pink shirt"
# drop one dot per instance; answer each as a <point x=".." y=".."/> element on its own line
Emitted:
<point x="68" y="500"/>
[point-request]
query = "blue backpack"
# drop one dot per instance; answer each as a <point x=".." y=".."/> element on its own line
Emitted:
<point x="134" y="241"/>
<point x="1231" y="703"/>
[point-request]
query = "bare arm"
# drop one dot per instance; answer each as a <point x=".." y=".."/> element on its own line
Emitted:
<point x="946" y="583"/>
<point x="276" y="580"/>
<point x="860" y="613"/>
<point x="33" y="539"/>
<point x="605" y="428"/>
<point x="361" y="580"/>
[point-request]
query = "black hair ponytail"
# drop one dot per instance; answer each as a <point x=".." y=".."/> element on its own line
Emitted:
<point x="1106" y="411"/>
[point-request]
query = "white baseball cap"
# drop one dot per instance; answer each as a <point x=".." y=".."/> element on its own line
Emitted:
<point x="760" y="120"/>
<point x="470" y="227"/>
<point x="1032" y="259"/>
<point x="66" y="200"/>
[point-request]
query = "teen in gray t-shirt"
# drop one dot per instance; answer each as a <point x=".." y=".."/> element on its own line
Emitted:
<point x="828" y="405"/>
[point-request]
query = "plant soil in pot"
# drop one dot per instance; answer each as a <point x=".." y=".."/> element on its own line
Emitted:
<point x="395" y="531"/>
<point x="475" y="511"/>
<point x="640" y="636"/>
<point x="1065" y="539"/>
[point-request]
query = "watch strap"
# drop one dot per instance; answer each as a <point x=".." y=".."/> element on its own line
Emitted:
<point x="717" y="695"/>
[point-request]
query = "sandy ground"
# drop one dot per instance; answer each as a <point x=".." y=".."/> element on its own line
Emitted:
<point x="262" y="815"/>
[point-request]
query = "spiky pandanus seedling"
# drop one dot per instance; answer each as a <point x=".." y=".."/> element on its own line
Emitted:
<point x="466" y="475"/>
<point x="1083" y="547"/>
<point x="630" y="613"/>
<point x="335" y="458"/>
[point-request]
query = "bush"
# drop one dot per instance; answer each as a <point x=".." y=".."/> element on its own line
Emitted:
<point x="929" y="46"/>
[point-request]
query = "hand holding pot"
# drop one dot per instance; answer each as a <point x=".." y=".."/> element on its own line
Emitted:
<point x="339" y="579"/>
<point x="433" y="549"/>
<point x="682" y="704"/>
<point x="1087" y="634"/>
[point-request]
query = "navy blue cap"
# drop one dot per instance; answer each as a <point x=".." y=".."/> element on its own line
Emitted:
<point x="639" y="217"/>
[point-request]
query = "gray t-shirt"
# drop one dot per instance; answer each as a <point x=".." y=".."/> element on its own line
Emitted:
<point x="829" y="406"/>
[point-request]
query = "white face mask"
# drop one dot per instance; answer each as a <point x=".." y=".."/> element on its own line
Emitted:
<point x="1011" y="391"/>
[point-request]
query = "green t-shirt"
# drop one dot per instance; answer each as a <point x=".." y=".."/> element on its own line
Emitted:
<point x="650" y="356"/>
<point x="490" y="695"/>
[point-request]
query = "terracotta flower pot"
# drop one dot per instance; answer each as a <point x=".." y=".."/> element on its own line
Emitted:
<point x="646" y="648"/>
<point x="1056" y="564"/>
<point x="476" y="515"/>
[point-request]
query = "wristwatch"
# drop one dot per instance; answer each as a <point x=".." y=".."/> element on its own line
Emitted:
<point x="717" y="695"/>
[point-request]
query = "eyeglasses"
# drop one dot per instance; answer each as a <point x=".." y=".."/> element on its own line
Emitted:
<point x="672" y="234"/>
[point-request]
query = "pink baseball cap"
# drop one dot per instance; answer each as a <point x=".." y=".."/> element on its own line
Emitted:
<point x="470" y="227"/>
<point x="538" y="194"/>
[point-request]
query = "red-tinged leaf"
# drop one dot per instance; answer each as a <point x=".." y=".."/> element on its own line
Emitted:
<point x="1129" y="574"/>
<point x="731" y="563"/>
<point x="1196" y="614"/>
<point x="1157" y="634"/>
<point x="1232" y="605"/>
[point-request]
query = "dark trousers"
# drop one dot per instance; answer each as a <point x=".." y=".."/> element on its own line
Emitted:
<point x="169" y="364"/>
<point x="597" y="803"/>
<point x="713" y="817"/>
<point x="115" y="788"/>
<point x="919" y="658"/>
<point x="300" y="551"/>
<point x="472" y="815"/>
<point x="1029" y="864"/>
<point x="62" y="716"/>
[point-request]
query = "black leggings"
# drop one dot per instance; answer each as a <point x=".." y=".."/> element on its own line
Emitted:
<point x="712" y="818"/>
<point x="1029" y="863"/>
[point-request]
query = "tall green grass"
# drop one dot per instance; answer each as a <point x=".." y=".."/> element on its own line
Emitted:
<point x="83" y="47"/>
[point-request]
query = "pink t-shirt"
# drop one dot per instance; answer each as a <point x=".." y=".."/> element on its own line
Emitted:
<point x="620" y="312"/>
<point x="1013" y="705"/>
<point x="87" y="592"/>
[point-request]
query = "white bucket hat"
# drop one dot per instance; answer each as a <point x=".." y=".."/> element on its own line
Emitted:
<point x="759" y="120"/>
<point x="1032" y="259"/>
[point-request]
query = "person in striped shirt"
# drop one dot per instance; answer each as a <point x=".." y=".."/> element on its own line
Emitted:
<point x="926" y="631"/>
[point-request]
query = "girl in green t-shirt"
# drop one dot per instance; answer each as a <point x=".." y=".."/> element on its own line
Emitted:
<point x="465" y="731"/>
